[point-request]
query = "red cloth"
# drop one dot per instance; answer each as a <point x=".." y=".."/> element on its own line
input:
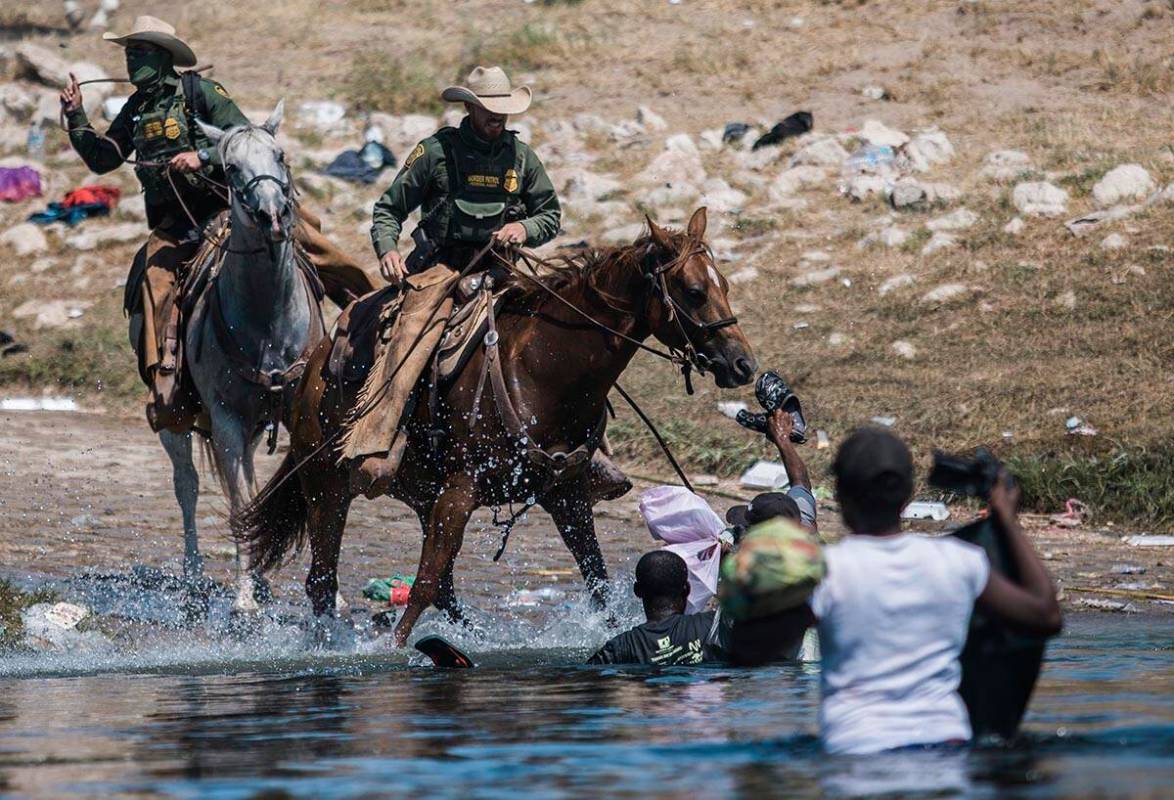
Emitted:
<point x="87" y="195"/>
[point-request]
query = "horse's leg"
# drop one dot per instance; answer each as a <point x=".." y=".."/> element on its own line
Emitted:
<point x="232" y="444"/>
<point x="446" y="594"/>
<point x="187" y="491"/>
<point x="325" y="524"/>
<point x="570" y="508"/>
<point x="442" y="541"/>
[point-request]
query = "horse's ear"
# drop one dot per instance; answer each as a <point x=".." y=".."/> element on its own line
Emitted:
<point x="697" y="224"/>
<point x="659" y="235"/>
<point x="213" y="133"/>
<point x="274" y="122"/>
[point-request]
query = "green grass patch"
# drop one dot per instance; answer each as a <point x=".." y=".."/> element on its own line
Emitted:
<point x="699" y="447"/>
<point x="754" y="226"/>
<point x="12" y="602"/>
<point x="530" y="47"/>
<point x="377" y="82"/>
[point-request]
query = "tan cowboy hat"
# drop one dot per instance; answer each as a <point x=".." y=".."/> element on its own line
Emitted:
<point x="490" y="88"/>
<point x="157" y="32"/>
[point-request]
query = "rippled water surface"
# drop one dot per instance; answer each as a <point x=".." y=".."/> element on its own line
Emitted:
<point x="189" y="719"/>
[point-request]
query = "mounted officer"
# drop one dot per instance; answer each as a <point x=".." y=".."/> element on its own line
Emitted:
<point x="182" y="180"/>
<point x="474" y="184"/>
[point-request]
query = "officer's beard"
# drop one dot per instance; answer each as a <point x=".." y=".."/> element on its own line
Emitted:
<point x="146" y="70"/>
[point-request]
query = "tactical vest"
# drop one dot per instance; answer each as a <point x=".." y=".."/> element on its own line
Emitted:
<point x="484" y="189"/>
<point x="163" y="132"/>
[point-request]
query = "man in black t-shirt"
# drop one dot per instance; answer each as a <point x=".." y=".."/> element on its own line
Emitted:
<point x="670" y="636"/>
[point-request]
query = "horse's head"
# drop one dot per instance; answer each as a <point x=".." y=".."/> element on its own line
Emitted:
<point x="258" y="178"/>
<point x="691" y="309"/>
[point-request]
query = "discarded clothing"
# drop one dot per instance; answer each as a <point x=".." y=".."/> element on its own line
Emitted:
<point x="690" y="528"/>
<point x="19" y="183"/>
<point x="735" y="132"/>
<point x="361" y="166"/>
<point x="394" y="590"/>
<point x="79" y="204"/>
<point x="797" y="124"/>
<point x="90" y="195"/>
<point x="9" y="346"/>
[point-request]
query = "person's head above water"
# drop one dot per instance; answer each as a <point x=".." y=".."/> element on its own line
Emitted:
<point x="874" y="481"/>
<point x="662" y="583"/>
<point x="763" y="507"/>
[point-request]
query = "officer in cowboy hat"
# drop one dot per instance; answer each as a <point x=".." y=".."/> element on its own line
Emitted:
<point x="474" y="183"/>
<point x="179" y="169"/>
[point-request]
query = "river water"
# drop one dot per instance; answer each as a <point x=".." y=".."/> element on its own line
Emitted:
<point x="187" y="714"/>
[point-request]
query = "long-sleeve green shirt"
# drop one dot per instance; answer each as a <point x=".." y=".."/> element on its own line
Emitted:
<point x="423" y="182"/>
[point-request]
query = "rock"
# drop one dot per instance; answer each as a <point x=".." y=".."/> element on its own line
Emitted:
<point x="1067" y="300"/>
<point x="679" y="161"/>
<point x="892" y="236"/>
<point x="945" y="293"/>
<point x="675" y="193"/>
<point x="712" y="138"/>
<point x="51" y="313"/>
<point x="941" y="193"/>
<point x="17" y="102"/>
<point x="1005" y="165"/>
<point x="322" y="115"/>
<point x="860" y="187"/>
<point x="414" y="128"/>
<point x="904" y="349"/>
<point x="583" y="184"/>
<point x="939" y="241"/>
<point x="908" y="195"/>
<point x="650" y="119"/>
<point x="99" y="237"/>
<point x="452" y="116"/>
<point x="874" y="92"/>
<point x="927" y="149"/>
<point x="792" y="180"/>
<point x="43" y="265"/>
<point x="24" y="239"/>
<point x="1015" y="226"/>
<point x="958" y="220"/>
<point x="815" y="257"/>
<point x="822" y="151"/>
<point x="1126" y="182"/>
<point x="134" y="206"/>
<point x="876" y="132"/>
<point x="1114" y="241"/>
<point x="1083" y="224"/>
<point x="816" y="277"/>
<point x="1039" y="198"/>
<point x="718" y="196"/>
<point x="41" y="64"/>
<point x="585" y="122"/>
<point x="625" y="234"/>
<point x="744" y="275"/>
<point x="896" y="282"/>
<point x="522" y="130"/>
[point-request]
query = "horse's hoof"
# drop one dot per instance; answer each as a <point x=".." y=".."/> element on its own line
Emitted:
<point x="194" y="603"/>
<point x="331" y="633"/>
<point x="243" y="623"/>
<point x="384" y="619"/>
<point x="262" y="591"/>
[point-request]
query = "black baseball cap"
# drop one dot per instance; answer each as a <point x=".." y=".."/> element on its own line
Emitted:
<point x="767" y="505"/>
<point x="874" y="463"/>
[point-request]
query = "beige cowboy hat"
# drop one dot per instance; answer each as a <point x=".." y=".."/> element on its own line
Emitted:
<point x="490" y="88"/>
<point x="157" y="32"/>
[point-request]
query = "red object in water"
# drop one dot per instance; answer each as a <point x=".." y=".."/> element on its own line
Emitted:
<point x="89" y="195"/>
<point x="399" y="594"/>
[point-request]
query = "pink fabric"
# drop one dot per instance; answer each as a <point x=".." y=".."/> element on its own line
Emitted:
<point x="690" y="528"/>
<point x="19" y="183"/>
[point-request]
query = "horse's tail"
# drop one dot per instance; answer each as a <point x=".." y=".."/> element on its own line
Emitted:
<point x="274" y="522"/>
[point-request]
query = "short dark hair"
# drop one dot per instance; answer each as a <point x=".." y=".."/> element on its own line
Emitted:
<point x="661" y="575"/>
<point x="763" y="507"/>
<point x="874" y="479"/>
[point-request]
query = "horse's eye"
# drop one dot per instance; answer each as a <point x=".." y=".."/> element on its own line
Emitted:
<point x="696" y="296"/>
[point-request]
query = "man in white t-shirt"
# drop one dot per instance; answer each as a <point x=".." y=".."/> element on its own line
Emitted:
<point x="894" y="608"/>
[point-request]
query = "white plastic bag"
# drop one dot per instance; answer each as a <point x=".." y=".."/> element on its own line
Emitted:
<point x="690" y="528"/>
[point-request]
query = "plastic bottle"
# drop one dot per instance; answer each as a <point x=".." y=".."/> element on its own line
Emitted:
<point x="36" y="142"/>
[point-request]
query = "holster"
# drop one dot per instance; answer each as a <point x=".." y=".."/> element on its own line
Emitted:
<point x="424" y="254"/>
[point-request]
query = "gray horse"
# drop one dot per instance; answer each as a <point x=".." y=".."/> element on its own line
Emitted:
<point x="248" y="333"/>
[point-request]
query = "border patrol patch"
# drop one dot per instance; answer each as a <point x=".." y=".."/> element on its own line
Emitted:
<point x="171" y="128"/>
<point x="511" y="181"/>
<point x="220" y="90"/>
<point x="414" y="156"/>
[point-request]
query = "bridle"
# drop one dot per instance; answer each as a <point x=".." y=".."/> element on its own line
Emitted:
<point x="245" y="193"/>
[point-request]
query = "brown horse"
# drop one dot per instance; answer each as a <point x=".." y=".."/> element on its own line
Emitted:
<point x="557" y="367"/>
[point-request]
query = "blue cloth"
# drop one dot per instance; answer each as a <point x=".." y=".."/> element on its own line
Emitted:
<point x="57" y="212"/>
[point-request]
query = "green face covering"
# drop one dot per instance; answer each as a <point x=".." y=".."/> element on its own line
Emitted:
<point x="146" y="67"/>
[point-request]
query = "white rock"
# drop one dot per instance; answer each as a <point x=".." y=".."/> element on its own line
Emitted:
<point x="1114" y="241"/>
<point x="1005" y="165"/>
<point x="674" y="193"/>
<point x="1039" y="198"/>
<point x="711" y="138"/>
<point x="874" y="92"/>
<point x="24" y="239"/>
<point x="907" y="195"/>
<point x="958" y="220"/>
<point x="1126" y="182"/>
<point x="929" y="148"/>
<point x="17" y="101"/>
<point x="816" y="277"/>
<point x="628" y="129"/>
<point x="822" y="151"/>
<point x="585" y="122"/>
<point x="134" y="206"/>
<point x="679" y="161"/>
<point x="625" y="234"/>
<point x="52" y="313"/>
<point x="414" y="128"/>
<point x="682" y="142"/>
<point x="792" y="180"/>
<point x="744" y="275"/>
<point x="757" y="160"/>
<point x="1067" y="299"/>
<point x="321" y="115"/>
<point x="945" y="293"/>
<point x="1015" y="226"/>
<point x="904" y="349"/>
<point x="815" y="257"/>
<point x="877" y="133"/>
<point x="113" y="234"/>
<point x="522" y="130"/>
<point x="896" y="282"/>
<point x="860" y="187"/>
<point x="650" y="119"/>
<point x="892" y="236"/>
<point x="717" y="195"/>
<point x="452" y="117"/>
<point x="939" y="241"/>
<point x="582" y="184"/>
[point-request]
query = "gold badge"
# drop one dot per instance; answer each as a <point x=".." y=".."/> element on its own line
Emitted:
<point x="152" y="129"/>
<point x="171" y="128"/>
<point x="414" y="155"/>
<point x="511" y="181"/>
<point x="220" y="90"/>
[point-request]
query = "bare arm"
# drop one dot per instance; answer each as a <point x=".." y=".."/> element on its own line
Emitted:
<point x="1031" y="606"/>
<point x="779" y="426"/>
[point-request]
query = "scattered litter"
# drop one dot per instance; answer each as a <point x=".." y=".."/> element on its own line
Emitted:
<point x="765" y="475"/>
<point x="821" y="440"/>
<point x="870" y="159"/>
<point x="1075" y="514"/>
<point x="38" y="404"/>
<point x="1147" y="540"/>
<point x="1078" y="427"/>
<point x="1008" y="436"/>
<point x="361" y="166"/>
<point x="690" y="528"/>
<point x="19" y="183"/>
<point x="924" y="509"/>
<point x="797" y="124"/>
<point x="394" y="590"/>
<point x="874" y="92"/>
<point x="798" y="326"/>
<point x="1127" y="569"/>
<point x="735" y="132"/>
<point x="9" y="346"/>
<point x="1107" y="605"/>
<point x="731" y="407"/>
<point x="79" y="204"/>
<point x="888" y="422"/>
<point x="703" y="480"/>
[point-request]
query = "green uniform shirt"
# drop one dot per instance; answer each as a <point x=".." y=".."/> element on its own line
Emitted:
<point x="504" y="170"/>
<point x="154" y="126"/>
